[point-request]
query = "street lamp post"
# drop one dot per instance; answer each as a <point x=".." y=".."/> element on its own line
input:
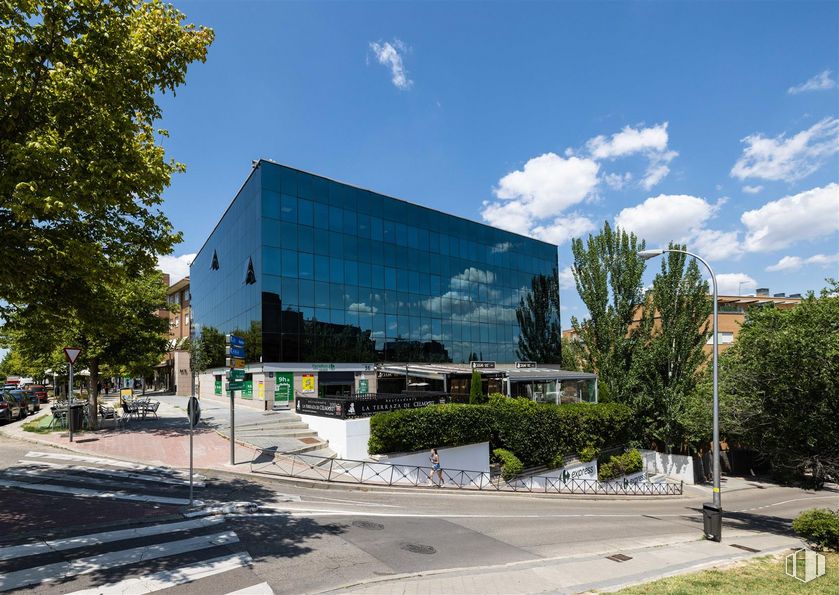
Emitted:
<point x="717" y="503"/>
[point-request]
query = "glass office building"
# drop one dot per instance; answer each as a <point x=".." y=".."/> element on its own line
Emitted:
<point x="314" y="270"/>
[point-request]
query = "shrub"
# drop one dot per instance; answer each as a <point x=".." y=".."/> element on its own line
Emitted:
<point x="536" y="431"/>
<point x="618" y="465"/>
<point x="476" y="393"/>
<point x="589" y="453"/>
<point x="510" y="463"/>
<point x="557" y="461"/>
<point x="819" y="526"/>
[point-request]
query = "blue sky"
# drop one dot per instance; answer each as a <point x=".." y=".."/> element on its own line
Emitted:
<point x="715" y="123"/>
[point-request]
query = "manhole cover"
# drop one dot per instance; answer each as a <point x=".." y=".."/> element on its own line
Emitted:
<point x="368" y="525"/>
<point x="418" y="548"/>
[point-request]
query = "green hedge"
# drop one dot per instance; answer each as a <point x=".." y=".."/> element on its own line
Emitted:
<point x="819" y="526"/>
<point x="510" y="463"/>
<point x="536" y="432"/>
<point x="618" y="465"/>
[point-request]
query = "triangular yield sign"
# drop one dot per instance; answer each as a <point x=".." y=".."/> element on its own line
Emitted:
<point x="72" y="353"/>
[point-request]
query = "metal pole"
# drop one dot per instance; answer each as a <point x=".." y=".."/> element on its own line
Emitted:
<point x="717" y="496"/>
<point x="232" y="431"/>
<point x="70" y="404"/>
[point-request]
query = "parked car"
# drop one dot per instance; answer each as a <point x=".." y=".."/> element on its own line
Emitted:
<point x="22" y="400"/>
<point x="34" y="403"/>
<point x="41" y="392"/>
<point x="9" y="407"/>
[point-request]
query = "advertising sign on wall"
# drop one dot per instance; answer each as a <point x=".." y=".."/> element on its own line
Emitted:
<point x="217" y="387"/>
<point x="283" y="389"/>
<point x="247" y="389"/>
<point x="308" y="383"/>
<point x="261" y="391"/>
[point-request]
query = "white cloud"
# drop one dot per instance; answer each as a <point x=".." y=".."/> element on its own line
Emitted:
<point x="363" y="308"/>
<point x="549" y="184"/>
<point x="501" y="247"/>
<point x="566" y="278"/>
<point x="513" y="216"/>
<point x="788" y="159"/>
<point x="735" y="284"/>
<point x="629" y="141"/>
<point x="780" y="223"/>
<point x="667" y="217"/>
<point x="716" y="245"/>
<point x="177" y="267"/>
<point x="474" y="275"/>
<point x="617" y="181"/>
<point x="820" y="82"/>
<point x="752" y="189"/>
<point x="564" y="228"/>
<point x="793" y="263"/>
<point x="388" y="54"/>
<point x="651" y="142"/>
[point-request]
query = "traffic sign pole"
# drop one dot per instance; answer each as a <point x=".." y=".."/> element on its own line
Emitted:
<point x="235" y="351"/>
<point x="70" y="404"/>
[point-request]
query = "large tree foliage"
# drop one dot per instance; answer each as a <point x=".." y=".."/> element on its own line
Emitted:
<point x="607" y="272"/>
<point x="674" y="329"/>
<point x="81" y="174"/>
<point x="538" y="318"/>
<point x="779" y="386"/>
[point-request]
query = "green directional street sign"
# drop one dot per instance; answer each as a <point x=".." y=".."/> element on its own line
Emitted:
<point x="236" y="375"/>
<point x="236" y="385"/>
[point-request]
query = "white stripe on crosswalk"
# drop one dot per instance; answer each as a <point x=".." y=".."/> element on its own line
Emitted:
<point x="39" y="574"/>
<point x="166" y="471"/>
<point x="88" y="493"/>
<point x="172" y="578"/>
<point x="71" y="543"/>
<point x="53" y="475"/>
<point x="260" y="589"/>
<point x="116" y="473"/>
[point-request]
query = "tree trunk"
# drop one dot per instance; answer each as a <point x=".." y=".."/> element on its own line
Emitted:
<point x="93" y="399"/>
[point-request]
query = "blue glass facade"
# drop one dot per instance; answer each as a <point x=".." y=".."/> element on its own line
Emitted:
<point x="341" y="274"/>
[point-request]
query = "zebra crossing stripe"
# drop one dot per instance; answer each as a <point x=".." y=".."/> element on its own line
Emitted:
<point x="172" y="578"/>
<point x="260" y="589"/>
<point x="115" y="473"/>
<point x="80" y="541"/>
<point x="165" y="471"/>
<point x="63" y="570"/>
<point x="88" y="493"/>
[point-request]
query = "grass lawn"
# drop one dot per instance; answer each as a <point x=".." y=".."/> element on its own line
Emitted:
<point x="759" y="575"/>
<point x="40" y="425"/>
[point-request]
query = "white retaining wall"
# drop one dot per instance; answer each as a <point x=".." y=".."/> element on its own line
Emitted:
<point x="677" y="467"/>
<point x="347" y="437"/>
<point x="471" y="457"/>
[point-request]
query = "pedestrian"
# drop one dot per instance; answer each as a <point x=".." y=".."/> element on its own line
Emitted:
<point x="435" y="468"/>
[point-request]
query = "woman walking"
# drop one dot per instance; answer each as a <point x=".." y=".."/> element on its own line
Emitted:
<point x="435" y="468"/>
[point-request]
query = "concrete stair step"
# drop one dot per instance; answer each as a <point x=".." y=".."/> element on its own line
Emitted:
<point x="289" y="425"/>
<point x="306" y="449"/>
<point x="279" y="434"/>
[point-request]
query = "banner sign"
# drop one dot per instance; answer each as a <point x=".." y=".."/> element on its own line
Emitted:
<point x="363" y="386"/>
<point x="308" y="383"/>
<point x="283" y="389"/>
<point x="482" y="365"/>
<point x="233" y="351"/>
<point x="217" y="388"/>
<point x="235" y="341"/>
<point x="236" y="375"/>
<point x="525" y="364"/>
<point x="349" y="408"/>
<point x="247" y="392"/>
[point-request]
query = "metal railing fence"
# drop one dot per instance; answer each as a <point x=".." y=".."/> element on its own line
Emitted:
<point x="303" y="466"/>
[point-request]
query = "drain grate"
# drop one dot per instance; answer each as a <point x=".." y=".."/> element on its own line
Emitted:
<point x="368" y="525"/>
<point x="418" y="548"/>
<point x="744" y="547"/>
<point x="619" y="557"/>
<point x="308" y="440"/>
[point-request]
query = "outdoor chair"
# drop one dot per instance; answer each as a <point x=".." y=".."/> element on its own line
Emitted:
<point x="59" y="417"/>
<point x="107" y="412"/>
<point x="150" y="407"/>
<point x="129" y="409"/>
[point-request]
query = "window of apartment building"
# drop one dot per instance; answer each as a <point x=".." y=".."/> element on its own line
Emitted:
<point x="724" y="338"/>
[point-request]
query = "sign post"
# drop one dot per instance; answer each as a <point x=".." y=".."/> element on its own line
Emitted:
<point x="71" y="353"/>
<point x="235" y="350"/>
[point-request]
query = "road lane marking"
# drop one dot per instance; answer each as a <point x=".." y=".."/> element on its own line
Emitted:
<point x="171" y="578"/>
<point x="40" y="574"/>
<point x="115" y="473"/>
<point x="164" y="471"/>
<point x="80" y="541"/>
<point x="87" y="493"/>
<point x="260" y="589"/>
<point x="51" y="475"/>
<point x="363" y="513"/>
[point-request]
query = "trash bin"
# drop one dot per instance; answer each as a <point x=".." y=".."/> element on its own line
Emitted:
<point x="712" y="521"/>
<point x="77" y="416"/>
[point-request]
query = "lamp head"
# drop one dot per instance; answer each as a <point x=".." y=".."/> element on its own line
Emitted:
<point x="648" y="254"/>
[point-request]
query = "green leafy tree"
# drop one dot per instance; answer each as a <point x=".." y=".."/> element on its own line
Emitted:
<point x="779" y="384"/>
<point x="81" y="174"/>
<point x="674" y="328"/>
<point x="607" y="273"/>
<point x="476" y="393"/>
<point x="538" y="318"/>
<point x="207" y="350"/>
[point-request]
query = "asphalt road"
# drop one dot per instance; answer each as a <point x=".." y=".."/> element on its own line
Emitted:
<point x="311" y="539"/>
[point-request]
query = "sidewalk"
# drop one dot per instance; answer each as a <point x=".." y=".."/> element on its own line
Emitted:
<point x="575" y="574"/>
<point x="163" y="442"/>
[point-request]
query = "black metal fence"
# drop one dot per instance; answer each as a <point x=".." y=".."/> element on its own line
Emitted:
<point x="317" y="468"/>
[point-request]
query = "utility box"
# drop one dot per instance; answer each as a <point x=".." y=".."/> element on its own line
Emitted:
<point x="712" y="521"/>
